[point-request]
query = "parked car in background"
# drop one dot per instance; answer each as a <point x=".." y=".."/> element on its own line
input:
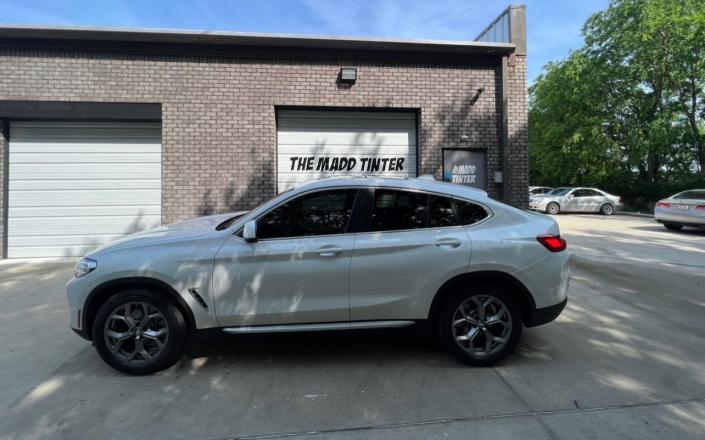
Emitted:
<point x="338" y="254"/>
<point x="683" y="209"/>
<point x="539" y="190"/>
<point x="567" y="199"/>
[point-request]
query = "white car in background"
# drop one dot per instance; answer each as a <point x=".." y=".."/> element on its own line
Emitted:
<point x="683" y="209"/>
<point x="338" y="254"/>
<point x="539" y="190"/>
<point x="567" y="199"/>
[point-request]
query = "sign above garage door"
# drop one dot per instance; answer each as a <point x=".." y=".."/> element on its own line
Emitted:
<point x="318" y="144"/>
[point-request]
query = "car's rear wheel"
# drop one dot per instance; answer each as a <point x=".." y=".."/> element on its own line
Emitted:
<point x="607" y="209"/>
<point x="673" y="226"/>
<point x="139" y="332"/>
<point x="481" y="326"/>
<point x="553" y="208"/>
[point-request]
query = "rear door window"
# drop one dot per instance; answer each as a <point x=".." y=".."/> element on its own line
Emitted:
<point x="396" y="210"/>
<point x="442" y="213"/>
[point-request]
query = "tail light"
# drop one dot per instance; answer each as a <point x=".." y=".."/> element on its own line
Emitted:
<point x="553" y="243"/>
<point x="663" y="204"/>
<point x="701" y="207"/>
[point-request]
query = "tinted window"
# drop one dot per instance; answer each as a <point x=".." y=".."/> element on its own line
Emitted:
<point x="559" y="191"/>
<point x="396" y="210"/>
<point x="319" y="213"/>
<point x="691" y="195"/>
<point x="441" y="213"/>
<point x="470" y="213"/>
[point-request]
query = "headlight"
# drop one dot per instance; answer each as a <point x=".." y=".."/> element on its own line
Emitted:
<point x="84" y="266"/>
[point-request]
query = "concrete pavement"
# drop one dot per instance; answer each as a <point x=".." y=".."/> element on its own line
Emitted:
<point x="623" y="361"/>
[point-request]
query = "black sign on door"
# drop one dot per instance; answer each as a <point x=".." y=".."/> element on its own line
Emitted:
<point x="465" y="167"/>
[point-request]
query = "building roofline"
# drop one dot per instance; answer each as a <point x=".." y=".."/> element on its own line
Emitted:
<point x="39" y="34"/>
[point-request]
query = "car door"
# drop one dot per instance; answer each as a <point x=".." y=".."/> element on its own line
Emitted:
<point x="573" y="201"/>
<point x="297" y="270"/>
<point x="591" y="201"/>
<point x="411" y="244"/>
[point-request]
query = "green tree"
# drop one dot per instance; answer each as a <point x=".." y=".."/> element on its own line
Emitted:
<point x="627" y="110"/>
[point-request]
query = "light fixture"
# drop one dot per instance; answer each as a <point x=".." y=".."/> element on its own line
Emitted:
<point x="348" y="74"/>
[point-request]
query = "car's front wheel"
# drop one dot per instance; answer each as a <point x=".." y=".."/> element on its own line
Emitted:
<point x="139" y="332"/>
<point x="481" y="326"/>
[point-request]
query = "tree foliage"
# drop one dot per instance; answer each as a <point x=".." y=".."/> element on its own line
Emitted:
<point x="626" y="112"/>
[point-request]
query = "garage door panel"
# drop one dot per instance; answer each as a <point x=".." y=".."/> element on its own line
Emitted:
<point x="343" y="114"/>
<point x="347" y="149"/>
<point x="57" y="226"/>
<point x="92" y="158"/>
<point x="295" y="124"/>
<point x="323" y="138"/>
<point x="83" y="211"/>
<point x="24" y="185"/>
<point x="84" y="197"/>
<point x="73" y="132"/>
<point x="76" y="186"/>
<point x="86" y="147"/>
<point x="55" y="171"/>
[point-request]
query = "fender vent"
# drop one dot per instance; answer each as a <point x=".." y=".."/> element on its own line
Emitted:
<point x="197" y="297"/>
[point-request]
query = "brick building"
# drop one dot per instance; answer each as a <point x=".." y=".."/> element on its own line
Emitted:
<point x="107" y="131"/>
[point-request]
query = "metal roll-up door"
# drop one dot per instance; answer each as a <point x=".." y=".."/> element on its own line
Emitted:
<point x="314" y="144"/>
<point x="74" y="186"/>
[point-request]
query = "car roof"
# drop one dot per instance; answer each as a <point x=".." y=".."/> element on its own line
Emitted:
<point x="422" y="183"/>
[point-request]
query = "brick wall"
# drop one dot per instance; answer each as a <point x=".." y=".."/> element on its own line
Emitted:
<point x="518" y="139"/>
<point x="218" y="115"/>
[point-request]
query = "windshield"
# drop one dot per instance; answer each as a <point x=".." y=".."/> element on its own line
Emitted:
<point x="227" y="223"/>
<point x="559" y="191"/>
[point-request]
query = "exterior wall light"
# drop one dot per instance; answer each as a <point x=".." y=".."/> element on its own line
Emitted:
<point x="348" y="75"/>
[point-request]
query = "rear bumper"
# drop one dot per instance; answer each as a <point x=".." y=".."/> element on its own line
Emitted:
<point x="685" y="218"/>
<point x="546" y="314"/>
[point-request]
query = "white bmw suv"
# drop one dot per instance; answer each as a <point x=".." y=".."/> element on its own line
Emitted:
<point x="339" y="254"/>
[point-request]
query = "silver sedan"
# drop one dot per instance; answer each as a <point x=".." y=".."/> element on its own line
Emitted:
<point x="683" y="209"/>
<point x="567" y="199"/>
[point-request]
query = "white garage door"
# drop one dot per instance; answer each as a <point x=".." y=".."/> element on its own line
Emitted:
<point x="317" y="144"/>
<point x="75" y="186"/>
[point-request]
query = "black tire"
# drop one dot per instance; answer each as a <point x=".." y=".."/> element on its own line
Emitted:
<point x="607" y="209"/>
<point x="166" y="352"/>
<point x="673" y="226"/>
<point x="553" y="208"/>
<point x="447" y="330"/>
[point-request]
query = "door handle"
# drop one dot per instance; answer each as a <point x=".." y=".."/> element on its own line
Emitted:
<point x="329" y="251"/>
<point x="448" y="243"/>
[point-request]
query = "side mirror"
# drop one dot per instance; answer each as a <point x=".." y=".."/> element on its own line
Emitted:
<point x="249" y="232"/>
<point x="571" y="196"/>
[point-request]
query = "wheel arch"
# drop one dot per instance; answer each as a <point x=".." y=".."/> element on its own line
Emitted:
<point x="103" y="292"/>
<point x="495" y="278"/>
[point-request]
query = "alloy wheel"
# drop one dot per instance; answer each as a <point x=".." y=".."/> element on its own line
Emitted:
<point x="482" y="325"/>
<point x="136" y="333"/>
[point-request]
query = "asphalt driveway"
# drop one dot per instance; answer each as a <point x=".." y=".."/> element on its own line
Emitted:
<point x="625" y="360"/>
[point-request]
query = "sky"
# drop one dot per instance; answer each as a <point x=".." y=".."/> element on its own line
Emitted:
<point x="553" y="25"/>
